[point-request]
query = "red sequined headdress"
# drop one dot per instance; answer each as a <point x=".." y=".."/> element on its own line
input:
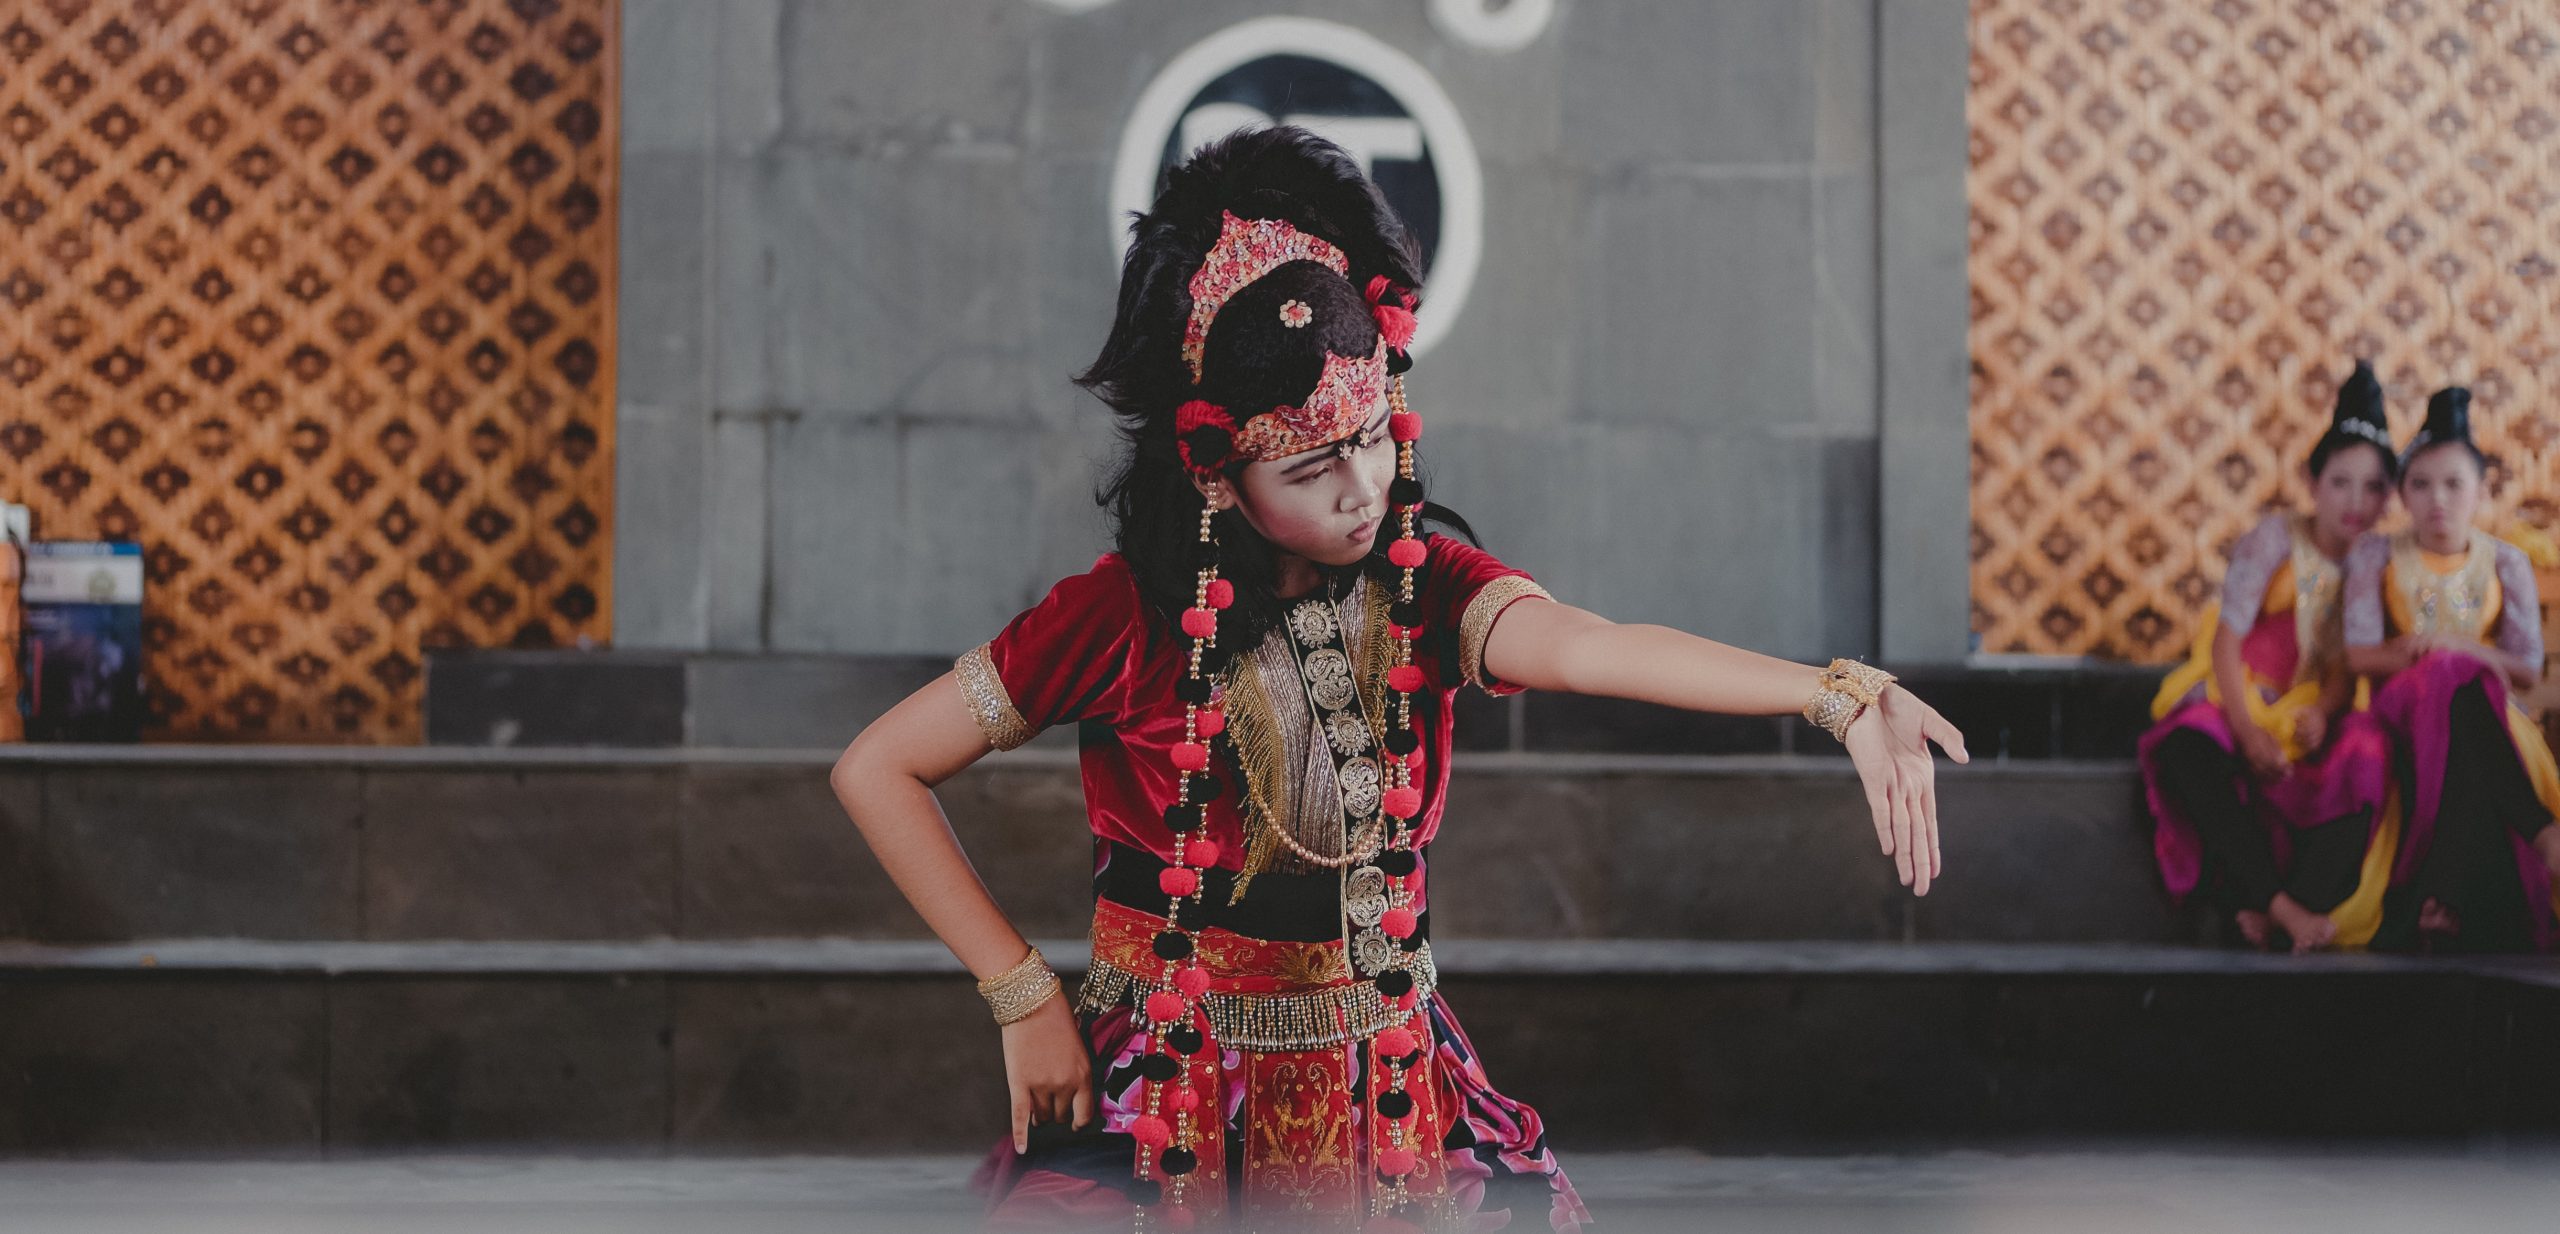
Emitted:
<point x="1346" y="392"/>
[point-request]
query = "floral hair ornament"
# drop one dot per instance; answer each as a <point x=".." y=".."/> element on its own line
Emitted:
<point x="1205" y="435"/>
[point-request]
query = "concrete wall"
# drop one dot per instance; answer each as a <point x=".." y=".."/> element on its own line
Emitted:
<point x="1722" y="278"/>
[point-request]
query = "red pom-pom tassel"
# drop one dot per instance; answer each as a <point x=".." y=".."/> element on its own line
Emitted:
<point x="1150" y="1131"/>
<point x="1221" y="593"/>
<point x="1404" y="678"/>
<point x="1395" y="1043"/>
<point x="1395" y="1162"/>
<point x="1401" y="802"/>
<point x="1190" y="756"/>
<point x="1404" y="426"/>
<point x="1210" y="723"/>
<point x="1164" y="1006"/>
<point x="1176" y="881"/>
<point x="1398" y="923"/>
<point x="1182" y="1100"/>
<point x="1193" y="981"/>
<point x="1202" y="853"/>
<point x="1395" y="325"/>
<point x="1407" y="552"/>
<point x="1199" y="622"/>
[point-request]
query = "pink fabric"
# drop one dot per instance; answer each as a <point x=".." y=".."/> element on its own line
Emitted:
<point x="2416" y="707"/>
<point x="2349" y="774"/>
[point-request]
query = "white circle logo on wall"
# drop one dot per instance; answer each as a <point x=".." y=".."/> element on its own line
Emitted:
<point x="1377" y="103"/>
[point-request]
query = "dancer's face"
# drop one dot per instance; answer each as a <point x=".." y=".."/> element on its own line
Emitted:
<point x="2349" y="493"/>
<point x="1325" y="504"/>
<point x="2442" y="488"/>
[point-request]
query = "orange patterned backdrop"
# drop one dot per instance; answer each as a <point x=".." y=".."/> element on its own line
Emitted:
<point x="2188" y="216"/>
<point x="314" y="300"/>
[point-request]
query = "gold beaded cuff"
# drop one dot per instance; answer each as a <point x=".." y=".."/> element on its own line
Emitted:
<point x="989" y="704"/>
<point x="1848" y="688"/>
<point x="1018" y="991"/>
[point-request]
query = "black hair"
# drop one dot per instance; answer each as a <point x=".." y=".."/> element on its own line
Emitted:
<point x="2448" y="424"/>
<point x="1253" y="359"/>
<point x="2358" y="420"/>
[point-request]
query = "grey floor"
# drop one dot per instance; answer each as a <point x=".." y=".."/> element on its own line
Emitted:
<point x="2119" y="1191"/>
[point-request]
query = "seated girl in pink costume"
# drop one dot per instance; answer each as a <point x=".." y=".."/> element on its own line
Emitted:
<point x="2450" y="616"/>
<point x="2267" y="784"/>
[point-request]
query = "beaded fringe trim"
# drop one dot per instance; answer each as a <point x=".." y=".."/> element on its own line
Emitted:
<point x="1309" y="1020"/>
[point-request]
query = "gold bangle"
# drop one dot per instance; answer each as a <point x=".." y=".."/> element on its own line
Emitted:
<point x="1847" y="689"/>
<point x="1020" y="990"/>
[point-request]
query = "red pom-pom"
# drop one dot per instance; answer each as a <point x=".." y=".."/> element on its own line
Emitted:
<point x="1202" y="853"/>
<point x="1408" y="1000"/>
<point x="1190" y="756"/>
<point x="1407" y="552"/>
<point x="1404" y="678"/>
<point x="1201" y="413"/>
<point x="1414" y="760"/>
<point x="1404" y="426"/>
<point x="1395" y="1043"/>
<point x="1192" y="981"/>
<point x="1210" y="723"/>
<point x="1150" y="1131"/>
<point x="1395" y="1162"/>
<point x="1221" y="593"/>
<point x="1182" y="1100"/>
<point x="1176" y="881"/>
<point x="1401" y="802"/>
<point x="1199" y="622"/>
<point x="1398" y="923"/>
<point x="1394" y="324"/>
<point x="1164" y="1006"/>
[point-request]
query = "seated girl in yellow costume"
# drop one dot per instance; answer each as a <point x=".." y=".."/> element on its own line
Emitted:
<point x="2266" y="786"/>
<point x="2450" y="616"/>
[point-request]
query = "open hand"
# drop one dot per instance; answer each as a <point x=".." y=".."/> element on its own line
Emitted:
<point x="1889" y="744"/>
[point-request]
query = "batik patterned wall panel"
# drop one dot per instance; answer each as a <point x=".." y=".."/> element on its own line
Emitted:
<point x="314" y="299"/>
<point x="2187" y="217"/>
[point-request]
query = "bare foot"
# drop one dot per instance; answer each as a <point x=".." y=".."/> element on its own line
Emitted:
<point x="2311" y="931"/>
<point x="2253" y="926"/>
<point x="2435" y="918"/>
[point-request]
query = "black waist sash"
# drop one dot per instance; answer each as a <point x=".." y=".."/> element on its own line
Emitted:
<point x="1279" y="907"/>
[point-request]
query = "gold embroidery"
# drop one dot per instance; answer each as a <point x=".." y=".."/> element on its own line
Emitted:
<point x="2462" y="603"/>
<point x="1300" y="1020"/>
<point x="1477" y="625"/>
<point x="2319" y="585"/>
<point x="989" y="704"/>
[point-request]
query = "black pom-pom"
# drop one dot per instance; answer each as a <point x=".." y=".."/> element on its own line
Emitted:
<point x="1405" y="1062"/>
<point x="1405" y="491"/>
<point x="1395" y="981"/>
<point x="1207" y="788"/>
<point x="1396" y="861"/>
<point x="1406" y="613"/>
<point x="1172" y="945"/>
<point x="1184" y="1040"/>
<point x="1411" y="942"/>
<point x="1398" y="360"/>
<point x="1395" y="1105"/>
<point x="1213" y="660"/>
<point x="1159" y="1067"/>
<point x="1208" y="445"/>
<point x="1145" y="1192"/>
<point x="1403" y="741"/>
<point x="1178" y="1161"/>
<point x="1192" y="689"/>
<point x="1182" y="818"/>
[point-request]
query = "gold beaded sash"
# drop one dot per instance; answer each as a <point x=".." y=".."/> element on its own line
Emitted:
<point x="1263" y="995"/>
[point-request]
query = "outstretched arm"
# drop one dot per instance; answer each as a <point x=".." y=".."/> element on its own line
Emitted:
<point x="885" y="781"/>
<point x="1544" y="645"/>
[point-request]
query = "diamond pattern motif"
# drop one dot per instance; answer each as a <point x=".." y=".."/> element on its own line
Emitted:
<point x="314" y="299"/>
<point x="2186" y="220"/>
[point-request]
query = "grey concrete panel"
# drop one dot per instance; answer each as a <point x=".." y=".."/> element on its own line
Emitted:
<point x="2045" y="860"/>
<point x="261" y="853"/>
<point x="1522" y="858"/>
<point x="1515" y="357"/>
<point x="801" y="702"/>
<point x="1922" y="299"/>
<point x="897" y="75"/>
<point x="144" y="1064"/>
<point x="736" y="529"/>
<point x="1696" y="303"/>
<point x="749" y="67"/>
<point x="515" y="1063"/>
<point x="532" y="854"/>
<point x="668" y="99"/>
<point x="664" y="302"/>
<point x="1712" y="81"/>
<point x="660" y="592"/>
